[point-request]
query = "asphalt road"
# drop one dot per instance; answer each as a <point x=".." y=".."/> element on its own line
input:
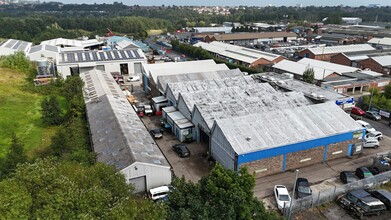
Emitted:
<point x="381" y="125"/>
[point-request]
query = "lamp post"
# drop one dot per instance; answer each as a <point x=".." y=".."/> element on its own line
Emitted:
<point x="293" y="194"/>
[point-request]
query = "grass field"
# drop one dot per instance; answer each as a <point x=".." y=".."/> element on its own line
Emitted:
<point x="20" y="113"/>
<point x="155" y="32"/>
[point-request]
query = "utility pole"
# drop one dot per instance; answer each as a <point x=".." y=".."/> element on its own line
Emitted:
<point x="293" y="194"/>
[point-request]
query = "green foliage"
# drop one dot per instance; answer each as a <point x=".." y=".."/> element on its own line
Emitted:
<point x="51" y="111"/>
<point x="15" y="156"/>
<point x="18" y="61"/>
<point x="387" y="91"/>
<point x="308" y="75"/>
<point x="48" y="189"/>
<point x="224" y="194"/>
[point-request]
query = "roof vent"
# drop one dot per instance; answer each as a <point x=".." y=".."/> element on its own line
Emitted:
<point x="248" y="138"/>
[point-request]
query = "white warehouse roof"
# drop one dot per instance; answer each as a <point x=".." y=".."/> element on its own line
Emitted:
<point x="11" y="46"/>
<point x="100" y="56"/>
<point x="337" y="68"/>
<point x="383" y="60"/>
<point x="381" y="41"/>
<point x="282" y="127"/>
<point x="243" y="54"/>
<point x="299" y="68"/>
<point x="341" y="49"/>
<point x="71" y="42"/>
<point x="212" y="29"/>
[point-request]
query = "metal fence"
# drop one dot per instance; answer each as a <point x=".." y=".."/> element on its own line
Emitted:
<point x="330" y="194"/>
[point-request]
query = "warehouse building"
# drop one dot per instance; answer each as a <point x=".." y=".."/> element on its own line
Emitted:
<point x="212" y="30"/>
<point x="253" y="38"/>
<point x="240" y="55"/>
<point x="325" y="53"/>
<point x="11" y="46"/>
<point x="115" y="62"/>
<point x="381" y="64"/>
<point x="40" y="52"/>
<point x="151" y="72"/>
<point x="118" y="136"/>
<point x="381" y="42"/>
<point x="73" y="43"/>
<point x="353" y="58"/>
<point x="285" y="139"/>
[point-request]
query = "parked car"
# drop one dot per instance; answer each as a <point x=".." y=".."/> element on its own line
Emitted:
<point x="366" y="125"/>
<point x="347" y="177"/>
<point x="376" y="134"/>
<point x="360" y="203"/>
<point x="303" y="188"/>
<point x="363" y="172"/>
<point x="133" y="78"/>
<point x="384" y="196"/>
<point x="156" y="133"/>
<point x="148" y="110"/>
<point x="357" y="111"/>
<point x="281" y="194"/>
<point x="371" y="142"/>
<point x="159" y="193"/>
<point x="181" y="150"/>
<point x="372" y="115"/>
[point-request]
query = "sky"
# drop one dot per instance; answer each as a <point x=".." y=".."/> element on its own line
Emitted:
<point x="236" y="2"/>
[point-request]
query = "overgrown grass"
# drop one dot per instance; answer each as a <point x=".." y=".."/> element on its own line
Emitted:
<point x="20" y="112"/>
<point x="155" y="32"/>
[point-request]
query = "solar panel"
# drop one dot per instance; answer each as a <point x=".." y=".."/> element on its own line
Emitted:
<point x="116" y="55"/>
<point x="102" y="56"/>
<point x="23" y="46"/>
<point x="129" y="54"/>
<point x="35" y="49"/>
<point x="51" y="48"/>
<point x="71" y="57"/>
<point x="123" y="54"/>
<point x="80" y="57"/>
<point x="15" y="47"/>
<point x="137" y="54"/>
<point x="10" y="43"/>
<point x="88" y="58"/>
<point x="2" y="43"/>
<point x="94" y="55"/>
<point x="109" y="55"/>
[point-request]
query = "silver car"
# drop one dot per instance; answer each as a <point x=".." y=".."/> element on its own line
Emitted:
<point x="372" y="115"/>
<point x="371" y="142"/>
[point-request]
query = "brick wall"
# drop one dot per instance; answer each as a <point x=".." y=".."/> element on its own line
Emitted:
<point x="340" y="59"/>
<point x="266" y="166"/>
<point x="338" y="150"/>
<point x="371" y="64"/>
<point x="304" y="158"/>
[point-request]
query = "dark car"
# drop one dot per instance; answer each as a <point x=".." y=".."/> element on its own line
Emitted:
<point x="181" y="150"/>
<point x="156" y="133"/>
<point x="303" y="188"/>
<point x="384" y="196"/>
<point x="359" y="203"/>
<point x="363" y="172"/>
<point x="347" y="177"/>
<point x="372" y="115"/>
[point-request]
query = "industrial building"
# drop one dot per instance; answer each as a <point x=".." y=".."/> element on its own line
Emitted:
<point x="325" y="53"/>
<point x="11" y="46"/>
<point x="212" y="30"/>
<point x="72" y="43"/>
<point x="151" y="72"/>
<point x="246" y="123"/>
<point x="253" y="38"/>
<point x="240" y="55"/>
<point x="115" y="62"/>
<point x="40" y="52"/>
<point x="383" y="42"/>
<point x="381" y="64"/>
<point x="118" y="136"/>
<point x="353" y="58"/>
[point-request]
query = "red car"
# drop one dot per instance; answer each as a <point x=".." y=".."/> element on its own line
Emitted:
<point x="358" y="111"/>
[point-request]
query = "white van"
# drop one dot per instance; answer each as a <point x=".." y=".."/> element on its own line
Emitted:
<point x="366" y="125"/>
<point x="159" y="193"/>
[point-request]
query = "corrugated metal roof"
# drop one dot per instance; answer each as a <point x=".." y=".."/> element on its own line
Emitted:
<point x="249" y="36"/>
<point x="341" y="49"/>
<point x="299" y="68"/>
<point x="118" y="136"/>
<point x="101" y="56"/>
<point x="380" y="41"/>
<point x="16" y="45"/>
<point x="337" y="68"/>
<point x="72" y="42"/>
<point x="282" y="127"/>
<point x="212" y="29"/>
<point x="243" y="54"/>
<point x="383" y="60"/>
<point x="187" y="77"/>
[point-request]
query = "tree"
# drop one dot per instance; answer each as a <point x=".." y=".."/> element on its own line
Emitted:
<point x="51" y="111"/>
<point x="387" y="91"/>
<point x="308" y="75"/>
<point x="14" y="156"/>
<point x="224" y="194"/>
<point x="50" y="189"/>
<point x="73" y="86"/>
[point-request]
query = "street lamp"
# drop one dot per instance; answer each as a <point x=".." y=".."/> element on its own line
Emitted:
<point x="293" y="194"/>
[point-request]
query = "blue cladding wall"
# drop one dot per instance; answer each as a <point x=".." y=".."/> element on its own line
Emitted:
<point x="262" y="154"/>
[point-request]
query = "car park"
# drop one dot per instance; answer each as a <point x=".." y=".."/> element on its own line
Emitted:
<point x="357" y="111"/>
<point x="384" y="196"/>
<point x="371" y="143"/>
<point x="282" y="197"/>
<point x="376" y="134"/>
<point x="366" y="125"/>
<point x="360" y="203"/>
<point x="303" y="188"/>
<point x="156" y="133"/>
<point x="363" y="172"/>
<point x="372" y="115"/>
<point x="347" y="177"/>
<point x="181" y="150"/>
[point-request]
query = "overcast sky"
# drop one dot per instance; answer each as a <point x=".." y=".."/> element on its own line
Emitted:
<point x="239" y="2"/>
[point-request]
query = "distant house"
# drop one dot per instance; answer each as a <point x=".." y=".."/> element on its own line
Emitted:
<point x="325" y="53"/>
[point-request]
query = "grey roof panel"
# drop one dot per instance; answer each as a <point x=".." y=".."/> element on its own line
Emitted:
<point x="85" y="56"/>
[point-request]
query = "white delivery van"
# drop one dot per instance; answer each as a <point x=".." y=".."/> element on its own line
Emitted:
<point x="366" y="125"/>
<point x="159" y="193"/>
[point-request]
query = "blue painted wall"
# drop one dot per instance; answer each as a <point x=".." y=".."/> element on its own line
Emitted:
<point x="262" y="154"/>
